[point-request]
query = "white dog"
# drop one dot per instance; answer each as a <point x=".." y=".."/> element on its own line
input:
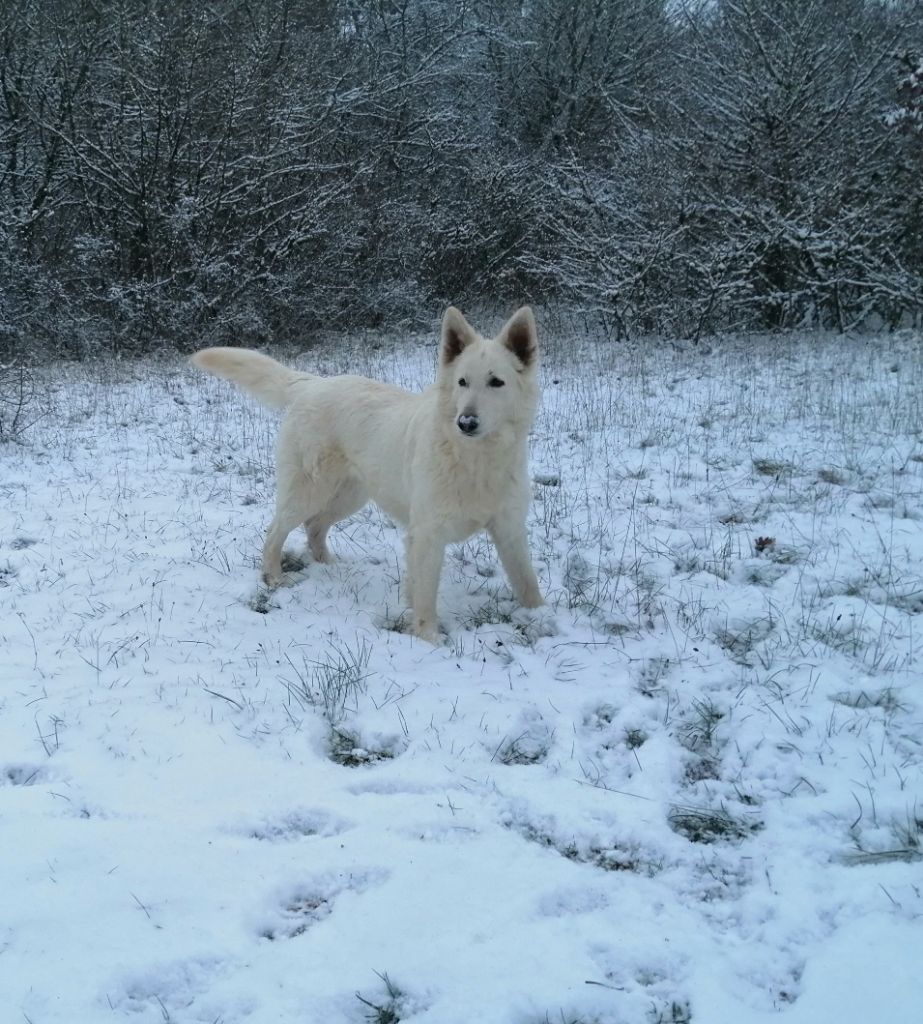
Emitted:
<point x="445" y="463"/>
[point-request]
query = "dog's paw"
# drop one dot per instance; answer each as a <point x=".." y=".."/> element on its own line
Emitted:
<point x="533" y="623"/>
<point x="428" y="632"/>
<point x="273" y="581"/>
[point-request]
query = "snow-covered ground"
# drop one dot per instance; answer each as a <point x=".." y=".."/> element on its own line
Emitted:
<point x="699" y="800"/>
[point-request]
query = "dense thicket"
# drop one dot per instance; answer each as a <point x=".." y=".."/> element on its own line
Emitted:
<point x="251" y="169"/>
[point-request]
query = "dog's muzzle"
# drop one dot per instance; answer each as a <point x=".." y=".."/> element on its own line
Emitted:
<point x="468" y="424"/>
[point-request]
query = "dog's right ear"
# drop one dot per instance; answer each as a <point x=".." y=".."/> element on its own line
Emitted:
<point x="457" y="334"/>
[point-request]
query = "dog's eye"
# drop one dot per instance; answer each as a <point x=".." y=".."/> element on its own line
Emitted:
<point x="495" y="382"/>
<point x="462" y="383"/>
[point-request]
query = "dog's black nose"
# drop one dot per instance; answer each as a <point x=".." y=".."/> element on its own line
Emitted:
<point x="468" y="424"/>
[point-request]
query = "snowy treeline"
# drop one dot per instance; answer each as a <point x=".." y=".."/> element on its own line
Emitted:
<point x="254" y="169"/>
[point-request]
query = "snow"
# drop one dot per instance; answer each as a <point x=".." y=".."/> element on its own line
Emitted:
<point x="691" y="793"/>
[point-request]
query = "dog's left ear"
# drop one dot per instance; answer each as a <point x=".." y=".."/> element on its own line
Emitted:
<point x="457" y="334"/>
<point x="520" y="336"/>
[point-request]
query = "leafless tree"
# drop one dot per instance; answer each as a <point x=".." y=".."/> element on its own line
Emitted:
<point x="245" y="170"/>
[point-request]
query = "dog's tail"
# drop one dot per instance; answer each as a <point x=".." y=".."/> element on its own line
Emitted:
<point x="264" y="378"/>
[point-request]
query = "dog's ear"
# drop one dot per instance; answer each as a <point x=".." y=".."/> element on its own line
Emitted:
<point x="520" y="336"/>
<point x="457" y="334"/>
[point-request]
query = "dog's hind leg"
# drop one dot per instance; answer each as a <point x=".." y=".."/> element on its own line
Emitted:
<point x="289" y="513"/>
<point x="349" y="497"/>
<point x="316" y="529"/>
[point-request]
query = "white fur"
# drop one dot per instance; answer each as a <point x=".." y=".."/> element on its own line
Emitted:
<point x="347" y="440"/>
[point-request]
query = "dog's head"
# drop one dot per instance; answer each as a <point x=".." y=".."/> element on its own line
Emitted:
<point x="492" y="382"/>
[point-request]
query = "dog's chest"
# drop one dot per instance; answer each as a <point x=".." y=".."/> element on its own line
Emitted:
<point x="476" y="496"/>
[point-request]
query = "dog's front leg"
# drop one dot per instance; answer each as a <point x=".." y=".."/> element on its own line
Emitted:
<point x="425" y="552"/>
<point x="513" y="548"/>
